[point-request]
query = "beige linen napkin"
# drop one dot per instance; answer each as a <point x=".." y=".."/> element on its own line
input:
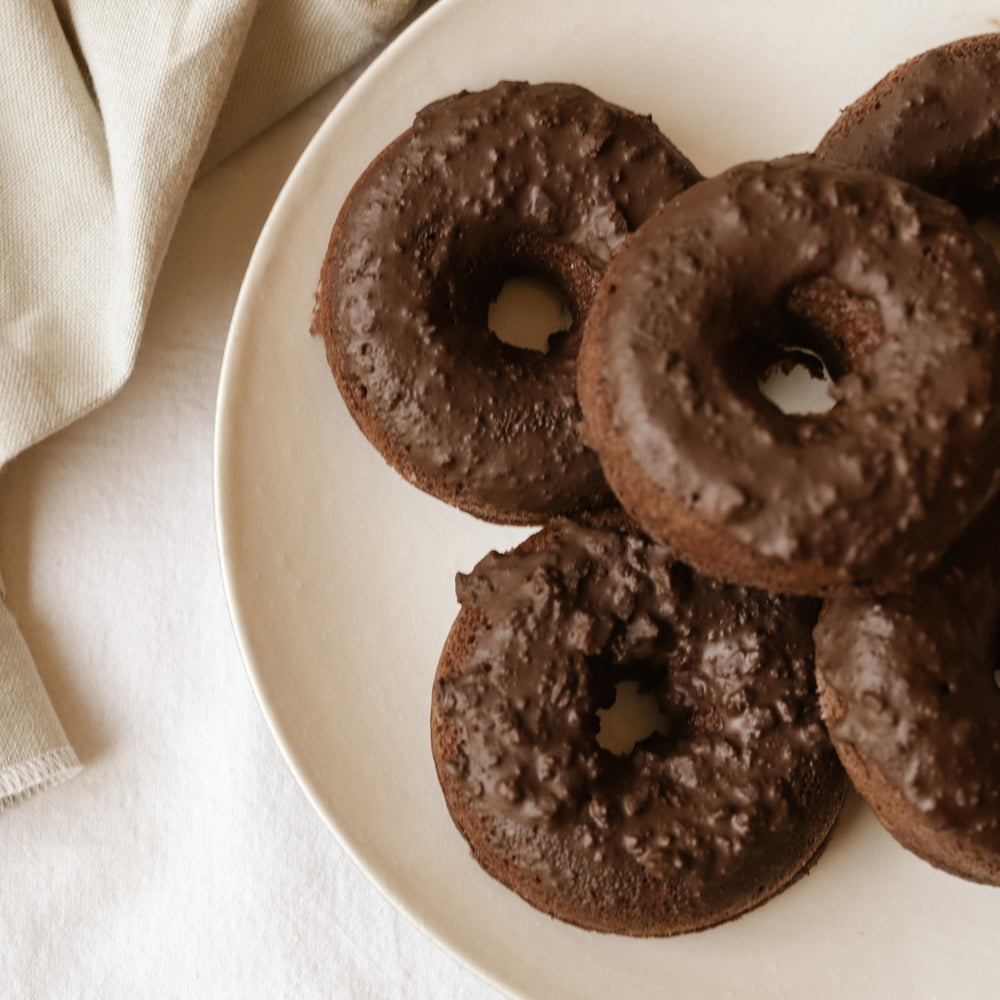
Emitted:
<point x="107" y="110"/>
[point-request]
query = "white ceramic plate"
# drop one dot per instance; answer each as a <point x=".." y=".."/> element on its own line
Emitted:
<point x="340" y="576"/>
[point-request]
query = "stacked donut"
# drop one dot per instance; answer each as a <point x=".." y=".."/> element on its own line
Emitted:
<point x="800" y="591"/>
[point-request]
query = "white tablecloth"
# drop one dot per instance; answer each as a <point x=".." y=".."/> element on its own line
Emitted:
<point x="183" y="861"/>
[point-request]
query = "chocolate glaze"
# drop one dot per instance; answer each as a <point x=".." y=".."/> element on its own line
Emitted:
<point x="934" y="121"/>
<point x="899" y="294"/>
<point x="913" y="705"/>
<point x="694" y="826"/>
<point x="546" y="180"/>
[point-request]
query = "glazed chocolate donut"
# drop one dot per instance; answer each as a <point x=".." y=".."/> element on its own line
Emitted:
<point x="545" y="180"/>
<point x="890" y="285"/>
<point x="694" y="826"/>
<point x="934" y="120"/>
<point x="909" y="691"/>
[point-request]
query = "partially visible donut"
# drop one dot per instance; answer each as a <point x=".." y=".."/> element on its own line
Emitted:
<point x="546" y="180"/>
<point x="909" y="691"/>
<point x="695" y="826"/>
<point x="934" y="120"/>
<point x="891" y="285"/>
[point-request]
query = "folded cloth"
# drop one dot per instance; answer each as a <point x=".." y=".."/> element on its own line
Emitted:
<point x="34" y="752"/>
<point x="107" y="113"/>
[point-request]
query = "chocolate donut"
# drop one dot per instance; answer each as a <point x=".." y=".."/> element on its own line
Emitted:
<point x="934" y="120"/>
<point x="888" y="283"/>
<point x="694" y="826"/>
<point x="909" y="691"/>
<point x="545" y="180"/>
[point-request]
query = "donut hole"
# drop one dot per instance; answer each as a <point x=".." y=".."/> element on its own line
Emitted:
<point x="634" y="716"/>
<point x="528" y="311"/>
<point x="797" y="381"/>
<point x="807" y="342"/>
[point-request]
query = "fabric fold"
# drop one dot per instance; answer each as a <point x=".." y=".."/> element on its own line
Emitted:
<point x="107" y="113"/>
<point x="34" y="751"/>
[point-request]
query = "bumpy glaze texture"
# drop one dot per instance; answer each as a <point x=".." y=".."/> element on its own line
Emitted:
<point x="891" y="285"/>
<point x="697" y="824"/>
<point x="910" y="694"/>
<point x="546" y="180"/>
<point x="934" y="121"/>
